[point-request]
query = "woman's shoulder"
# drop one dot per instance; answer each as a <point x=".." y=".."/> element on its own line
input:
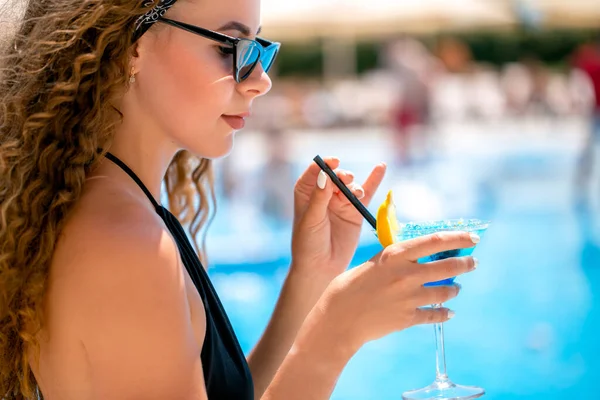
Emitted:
<point x="114" y="226"/>
<point x="113" y="246"/>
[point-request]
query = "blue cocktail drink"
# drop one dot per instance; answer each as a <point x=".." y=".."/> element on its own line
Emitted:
<point x="412" y="230"/>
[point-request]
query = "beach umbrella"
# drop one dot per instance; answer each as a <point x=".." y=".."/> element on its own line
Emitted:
<point x="378" y="18"/>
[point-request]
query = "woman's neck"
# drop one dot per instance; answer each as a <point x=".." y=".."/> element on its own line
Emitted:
<point x="140" y="144"/>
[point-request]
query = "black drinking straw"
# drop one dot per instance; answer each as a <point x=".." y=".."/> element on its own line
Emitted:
<point x="349" y="195"/>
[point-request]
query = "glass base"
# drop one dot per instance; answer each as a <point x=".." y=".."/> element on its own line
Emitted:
<point x="444" y="390"/>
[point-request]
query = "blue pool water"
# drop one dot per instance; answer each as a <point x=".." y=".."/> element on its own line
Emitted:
<point x="526" y="320"/>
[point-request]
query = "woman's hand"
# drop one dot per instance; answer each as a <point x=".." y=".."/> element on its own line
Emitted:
<point x="379" y="297"/>
<point x="386" y="293"/>
<point x="326" y="225"/>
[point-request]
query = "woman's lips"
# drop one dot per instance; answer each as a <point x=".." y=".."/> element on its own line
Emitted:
<point x="235" y="121"/>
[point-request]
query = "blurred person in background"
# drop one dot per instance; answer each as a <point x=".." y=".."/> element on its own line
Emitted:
<point x="103" y="294"/>
<point x="537" y="104"/>
<point x="455" y="55"/>
<point x="587" y="59"/>
<point x="517" y="86"/>
<point x="412" y="67"/>
<point x="451" y="95"/>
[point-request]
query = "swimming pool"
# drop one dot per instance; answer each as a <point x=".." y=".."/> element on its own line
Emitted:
<point x="526" y="320"/>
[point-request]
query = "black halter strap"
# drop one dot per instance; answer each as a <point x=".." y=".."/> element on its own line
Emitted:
<point x="136" y="179"/>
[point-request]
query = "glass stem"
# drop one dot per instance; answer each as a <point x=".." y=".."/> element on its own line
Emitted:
<point x="440" y="353"/>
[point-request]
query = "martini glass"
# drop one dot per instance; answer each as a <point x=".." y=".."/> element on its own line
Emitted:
<point x="443" y="388"/>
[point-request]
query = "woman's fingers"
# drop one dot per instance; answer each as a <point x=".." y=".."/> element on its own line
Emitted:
<point x="427" y="315"/>
<point x="364" y="192"/>
<point x="357" y="190"/>
<point x="372" y="183"/>
<point x="443" y="269"/>
<point x="435" y="294"/>
<point x="311" y="173"/>
<point x="306" y="182"/>
<point x="347" y="178"/>
<point x="424" y="246"/>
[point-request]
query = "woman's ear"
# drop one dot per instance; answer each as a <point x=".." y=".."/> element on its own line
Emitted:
<point x="142" y="47"/>
<point x="135" y="58"/>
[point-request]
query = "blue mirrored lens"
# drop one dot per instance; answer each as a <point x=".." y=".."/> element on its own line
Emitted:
<point x="268" y="56"/>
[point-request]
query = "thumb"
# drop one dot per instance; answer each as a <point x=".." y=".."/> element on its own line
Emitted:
<point x="316" y="211"/>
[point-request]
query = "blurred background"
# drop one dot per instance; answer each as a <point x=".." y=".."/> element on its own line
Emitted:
<point x="481" y="108"/>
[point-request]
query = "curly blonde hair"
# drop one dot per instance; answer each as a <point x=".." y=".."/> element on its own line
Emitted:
<point x="63" y="66"/>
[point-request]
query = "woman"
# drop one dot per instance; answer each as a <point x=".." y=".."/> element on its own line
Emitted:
<point x="103" y="296"/>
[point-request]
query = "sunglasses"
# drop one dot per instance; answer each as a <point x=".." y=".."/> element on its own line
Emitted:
<point x="247" y="53"/>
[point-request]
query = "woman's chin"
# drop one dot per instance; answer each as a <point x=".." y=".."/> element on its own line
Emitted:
<point x="216" y="150"/>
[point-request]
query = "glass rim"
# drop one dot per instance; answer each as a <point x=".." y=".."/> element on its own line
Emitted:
<point x="480" y="225"/>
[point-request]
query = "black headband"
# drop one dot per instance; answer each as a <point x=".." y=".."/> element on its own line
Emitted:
<point x="144" y="22"/>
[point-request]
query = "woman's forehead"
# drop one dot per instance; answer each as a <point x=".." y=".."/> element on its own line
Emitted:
<point x="236" y="15"/>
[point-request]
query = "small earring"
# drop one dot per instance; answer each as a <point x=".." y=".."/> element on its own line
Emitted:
<point x="132" y="76"/>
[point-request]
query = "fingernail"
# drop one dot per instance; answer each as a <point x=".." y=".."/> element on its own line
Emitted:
<point x="475" y="238"/>
<point x="322" y="180"/>
<point x="349" y="175"/>
<point x="451" y="314"/>
<point x="475" y="263"/>
<point x="459" y="287"/>
<point x="360" y="192"/>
